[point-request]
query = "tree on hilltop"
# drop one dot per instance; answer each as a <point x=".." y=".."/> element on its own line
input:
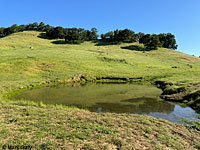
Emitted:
<point x="94" y="34"/>
<point x="144" y="39"/>
<point x="2" y="34"/>
<point x="153" y="42"/>
<point x="139" y="35"/>
<point x="108" y="36"/>
<point x="126" y="35"/>
<point x="15" y="28"/>
<point x="41" y="26"/>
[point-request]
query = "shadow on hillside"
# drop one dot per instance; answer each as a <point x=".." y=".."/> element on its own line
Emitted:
<point x="59" y="42"/>
<point x="106" y="43"/>
<point x="136" y="48"/>
<point x="43" y="36"/>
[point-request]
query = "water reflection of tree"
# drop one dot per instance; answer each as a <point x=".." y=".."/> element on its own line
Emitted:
<point x="145" y="105"/>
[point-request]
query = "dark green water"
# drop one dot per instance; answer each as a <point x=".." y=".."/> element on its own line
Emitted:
<point x="118" y="98"/>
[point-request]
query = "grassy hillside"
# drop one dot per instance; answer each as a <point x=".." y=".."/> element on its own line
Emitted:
<point x="46" y="60"/>
<point x="51" y="59"/>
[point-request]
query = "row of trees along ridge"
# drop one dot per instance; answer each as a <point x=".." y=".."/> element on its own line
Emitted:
<point x="150" y="41"/>
<point x="79" y="35"/>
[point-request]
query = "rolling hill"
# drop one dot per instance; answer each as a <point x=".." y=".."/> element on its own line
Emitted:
<point x="27" y="59"/>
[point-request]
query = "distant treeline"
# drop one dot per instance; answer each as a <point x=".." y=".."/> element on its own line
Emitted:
<point x="79" y="35"/>
<point x="71" y="35"/>
<point x="150" y="41"/>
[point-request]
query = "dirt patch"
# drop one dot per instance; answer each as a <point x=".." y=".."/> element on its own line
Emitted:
<point x="189" y="59"/>
<point x="189" y="95"/>
<point x="78" y="78"/>
<point x="174" y="97"/>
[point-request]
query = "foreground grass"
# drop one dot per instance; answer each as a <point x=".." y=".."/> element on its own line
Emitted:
<point x="58" y="127"/>
<point x="45" y="127"/>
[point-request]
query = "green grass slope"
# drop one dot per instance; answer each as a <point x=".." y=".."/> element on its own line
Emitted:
<point x="20" y="65"/>
<point x="26" y="123"/>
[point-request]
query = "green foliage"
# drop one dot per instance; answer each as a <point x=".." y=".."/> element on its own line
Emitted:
<point x="15" y="28"/>
<point x="192" y="124"/>
<point x="79" y="35"/>
<point x="197" y="145"/>
<point x="74" y="36"/>
<point x="162" y="40"/>
<point x="93" y="34"/>
<point x="108" y="36"/>
<point x="56" y="33"/>
<point x="71" y="35"/>
<point x="168" y="40"/>
<point x="41" y="26"/>
<point x="152" y="42"/>
<point x="139" y="35"/>
<point x="194" y="99"/>
<point x="125" y="35"/>
<point x="145" y="39"/>
<point x="19" y="28"/>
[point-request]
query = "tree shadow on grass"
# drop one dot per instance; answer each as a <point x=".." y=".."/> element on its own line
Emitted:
<point x="106" y="43"/>
<point x="59" y="42"/>
<point x="136" y="48"/>
<point x="43" y="36"/>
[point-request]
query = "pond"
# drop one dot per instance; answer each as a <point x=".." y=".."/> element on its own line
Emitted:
<point x="117" y="98"/>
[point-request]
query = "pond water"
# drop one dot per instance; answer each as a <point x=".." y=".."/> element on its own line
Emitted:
<point x="117" y="98"/>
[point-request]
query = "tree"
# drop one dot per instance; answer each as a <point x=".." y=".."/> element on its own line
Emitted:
<point x="47" y="28"/>
<point x="2" y="34"/>
<point x="116" y="33"/>
<point x="108" y="36"/>
<point x="139" y="35"/>
<point x="35" y="26"/>
<point x="103" y="36"/>
<point x="126" y="35"/>
<point x="7" y="31"/>
<point x="93" y="35"/>
<point x="56" y="33"/>
<point x="14" y="28"/>
<point x="41" y="26"/>
<point x="32" y="26"/>
<point x="153" y="42"/>
<point x="144" y="39"/>
<point x="77" y="35"/>
<point x="168" y="40"/>
<point x="22" y="27"/>
<point x="73" y="36"/>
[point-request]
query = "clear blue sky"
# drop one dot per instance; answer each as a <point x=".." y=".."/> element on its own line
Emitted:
<point x="180" y="17"/>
